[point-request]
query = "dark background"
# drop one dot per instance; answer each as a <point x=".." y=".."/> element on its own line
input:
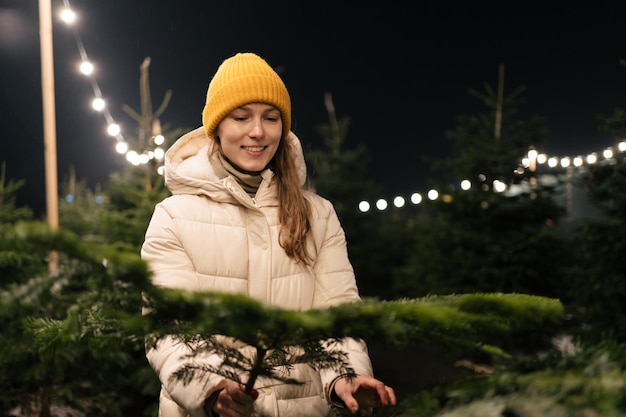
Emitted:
<point x="400" y="71"/>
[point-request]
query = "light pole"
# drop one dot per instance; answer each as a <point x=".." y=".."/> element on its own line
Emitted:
<point x="49" y="121"/>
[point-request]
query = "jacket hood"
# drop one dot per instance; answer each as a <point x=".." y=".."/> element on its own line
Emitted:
<point x="187" y="166"/>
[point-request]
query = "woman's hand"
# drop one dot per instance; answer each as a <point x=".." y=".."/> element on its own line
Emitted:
<point x="232" y="401"/>
<point x="364" y="391"/>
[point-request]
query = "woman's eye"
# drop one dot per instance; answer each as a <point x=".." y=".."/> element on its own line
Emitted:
<point x="272" y="118"/>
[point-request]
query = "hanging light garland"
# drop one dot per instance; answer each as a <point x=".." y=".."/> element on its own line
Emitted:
<point x="529" y="161"/>
<point x="86" y="67"/>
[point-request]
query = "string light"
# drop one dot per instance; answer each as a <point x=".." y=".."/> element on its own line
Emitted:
<point x="86" y="67"/>
<point x="533" y="157"/>
<point x="98" y="104"/>
<point x="68" y="16"/>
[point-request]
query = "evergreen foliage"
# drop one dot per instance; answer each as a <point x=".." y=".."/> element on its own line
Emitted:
<point x="579" y="381"/>
<point x="118" y="214"/>
<point x="480" y="240"/>
<point x="82" y="210"/>
<point x="129" y="207"/>
<point x="17" y="261"/>
<point x="459" y="320"/>
<point x="485" y="242"/>
<point x="598" y="272"/>
<point x="58" y="321"/>
<point x="10" y="212"/>
<point x="90" y="313"/>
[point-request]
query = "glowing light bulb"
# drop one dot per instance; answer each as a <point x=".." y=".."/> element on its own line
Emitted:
<point x="592" y="158"/>
<point x="398" y="201"/>
<point x="68" y="16"/>
<point x="499" y="186"/>
<point x="542" y="158"/>
<point x="98" y="104"/>
<point x="114" y="129"/>
<point x="578" y="161"/>
<point x="159" y="153"/>
<point x="121" y="147"/>
<point x="553" y="162"/>
<point x="132" y="157"/>
<point x="86" y="68"/>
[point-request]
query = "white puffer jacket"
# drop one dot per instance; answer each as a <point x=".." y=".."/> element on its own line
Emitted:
<point x="211" y="235"/>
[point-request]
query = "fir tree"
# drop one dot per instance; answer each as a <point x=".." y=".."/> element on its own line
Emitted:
<point x="482" y="239"/>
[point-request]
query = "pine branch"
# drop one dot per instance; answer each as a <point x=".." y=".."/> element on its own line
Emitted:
<point x="457" y="318"/>
<point x="452" y="322"/>
<point x="102" y="300"/>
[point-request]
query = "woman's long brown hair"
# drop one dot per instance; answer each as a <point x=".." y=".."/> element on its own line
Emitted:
<point x="294" y="210"/>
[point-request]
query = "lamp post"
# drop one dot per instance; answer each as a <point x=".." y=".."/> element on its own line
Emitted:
<point x="49" y="122"/>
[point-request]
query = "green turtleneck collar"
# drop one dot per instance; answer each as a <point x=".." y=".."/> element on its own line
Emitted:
<point x="250" y="182"/>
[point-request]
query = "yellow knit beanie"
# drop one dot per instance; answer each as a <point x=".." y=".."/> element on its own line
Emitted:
<point x="241" y="79"/>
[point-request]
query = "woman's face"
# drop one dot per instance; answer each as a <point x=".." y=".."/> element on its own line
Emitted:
<point x="249" y="135"/>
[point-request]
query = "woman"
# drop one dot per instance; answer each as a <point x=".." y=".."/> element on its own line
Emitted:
<point x="240" y="221"/>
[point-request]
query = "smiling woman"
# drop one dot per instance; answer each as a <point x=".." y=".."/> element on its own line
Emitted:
<point x="239" y="220"/>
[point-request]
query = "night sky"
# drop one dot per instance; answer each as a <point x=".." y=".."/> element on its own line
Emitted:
<point x="400" y="73"/>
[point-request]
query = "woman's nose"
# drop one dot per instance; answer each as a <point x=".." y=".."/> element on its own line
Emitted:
<point x="256" y="129"/>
